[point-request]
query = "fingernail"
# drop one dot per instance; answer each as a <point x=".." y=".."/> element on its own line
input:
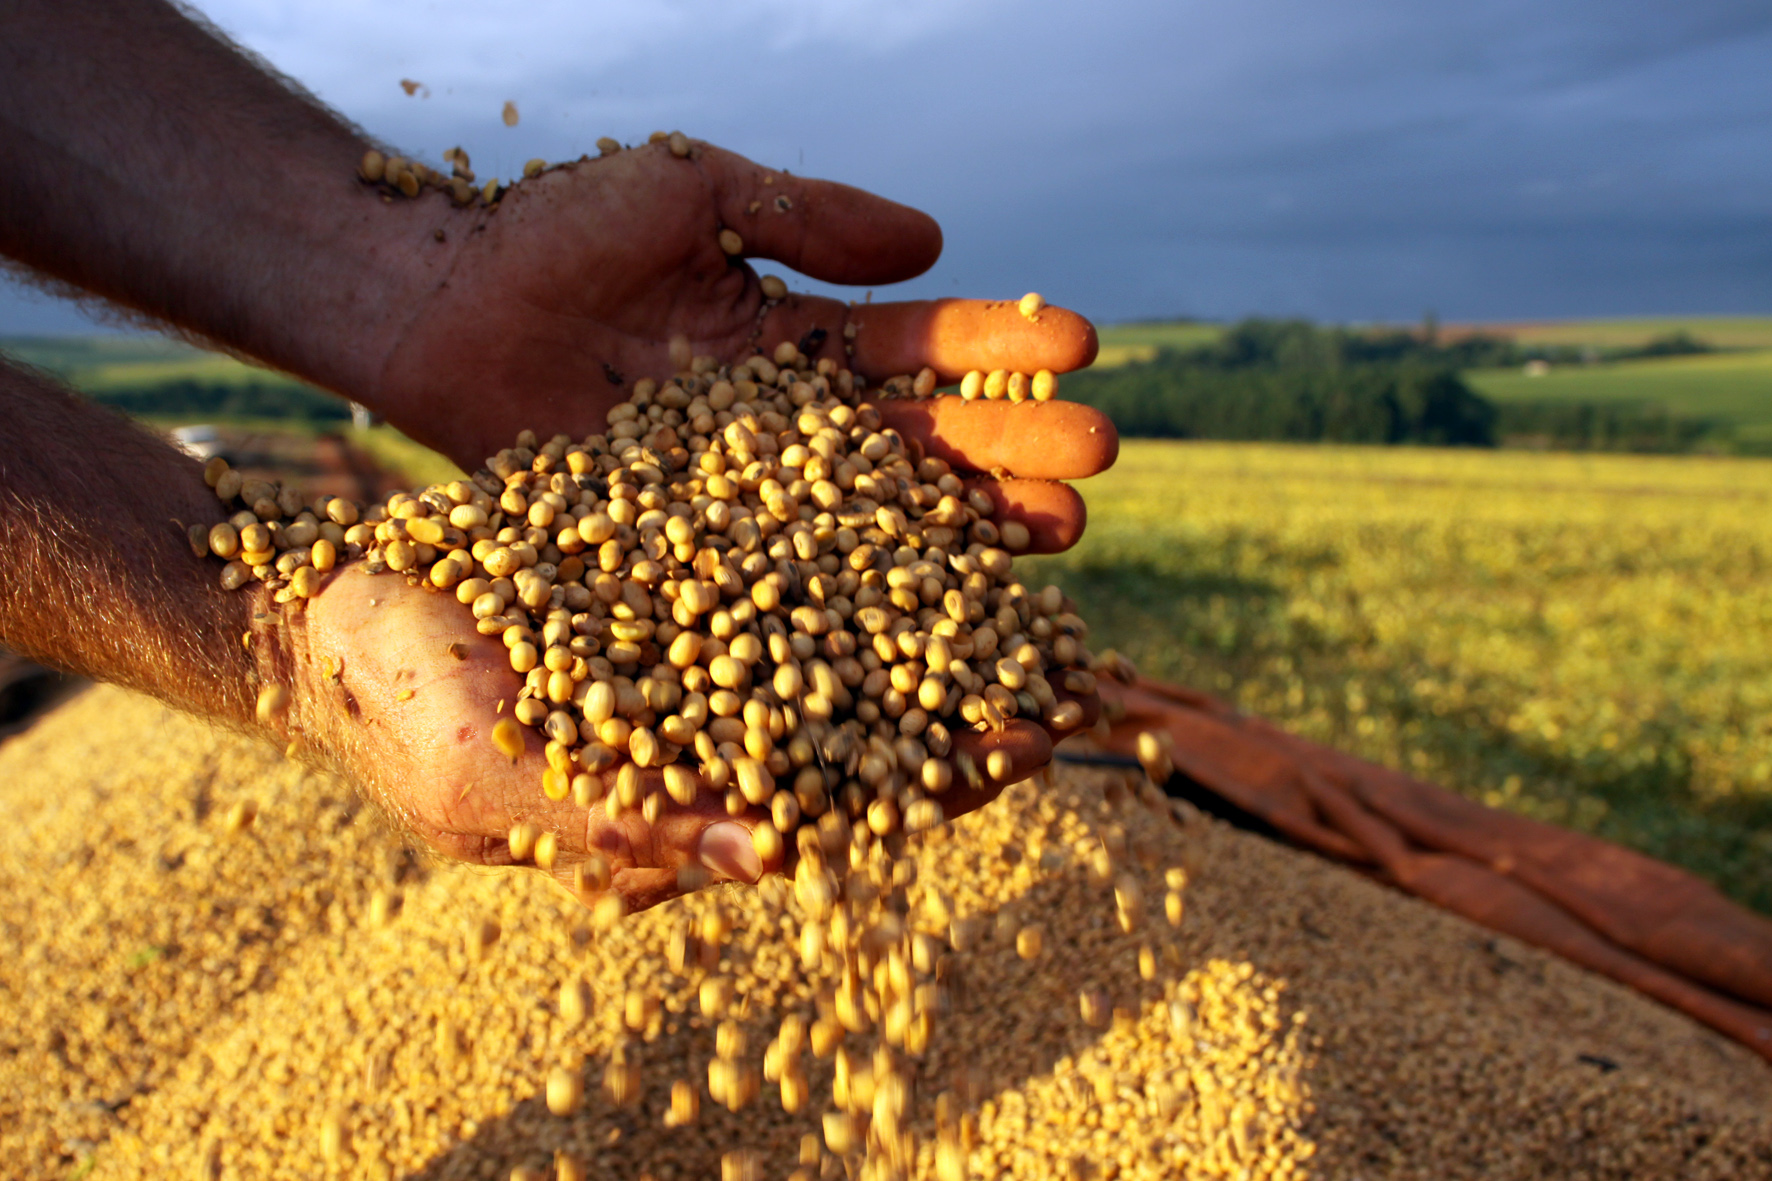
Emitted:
<point x="726" y="849"/>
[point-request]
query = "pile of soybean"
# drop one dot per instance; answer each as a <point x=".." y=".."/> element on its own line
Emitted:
<point x="743" y="585"/>
<point x="186" y="995"/>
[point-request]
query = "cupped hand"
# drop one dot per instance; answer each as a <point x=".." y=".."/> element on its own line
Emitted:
<point x="553" y="305"/>
<point x="395" y="688"/>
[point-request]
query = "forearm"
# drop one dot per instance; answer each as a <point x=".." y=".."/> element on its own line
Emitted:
<point x="150" y="163"/>
<point x="96" y="574"/>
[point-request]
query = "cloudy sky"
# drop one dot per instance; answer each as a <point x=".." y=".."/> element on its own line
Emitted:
<point x="1341" y="159"/>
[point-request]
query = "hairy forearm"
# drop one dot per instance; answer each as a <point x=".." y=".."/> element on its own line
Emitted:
<point x="150" y="163"/>
<point x="96" y="575"/>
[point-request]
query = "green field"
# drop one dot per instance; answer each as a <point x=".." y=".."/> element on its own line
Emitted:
<point x="1583" y="639"/>
<point x="1733" y="389"/>
<point x="97" y="364"/>
<point x="1723" y="332"/>
<point x="1121" y="343"/>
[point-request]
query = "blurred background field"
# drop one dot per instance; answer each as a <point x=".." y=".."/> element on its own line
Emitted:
<point x="1580" y="636"/>
<point x="1583" y="639"/>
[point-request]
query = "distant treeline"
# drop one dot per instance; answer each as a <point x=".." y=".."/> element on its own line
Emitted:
<point x="187" y="398"/>
<point x="1290" y="380"/>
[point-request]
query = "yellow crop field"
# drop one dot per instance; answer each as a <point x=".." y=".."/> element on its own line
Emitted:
<point x="1584" y="639"/>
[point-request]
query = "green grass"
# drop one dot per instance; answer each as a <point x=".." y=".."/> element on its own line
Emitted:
<point x="1122" y="343"/>
<point x="99" y="363"/>
<point x="1734" y="388"/>
<point x="1585" y="639"/>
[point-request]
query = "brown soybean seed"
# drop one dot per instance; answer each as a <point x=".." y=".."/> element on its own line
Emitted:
<point x="1029" y="942"/>
<point x="509" y="114"/>
<point x="679" y="144"/>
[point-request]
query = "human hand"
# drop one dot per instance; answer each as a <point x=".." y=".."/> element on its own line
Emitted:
<point x="551" y="307"/>
<point x="395" y="688"/>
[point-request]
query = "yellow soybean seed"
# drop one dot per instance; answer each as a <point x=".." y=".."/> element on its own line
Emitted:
<point x="1029" y="942"/>
<point x="507" y="737"/>
<point x="996" y="385"/>
<point x="240" y="816"/>
<point x="1030" y="304"/>
<point x="547" y="850"/>
<point x="222" y="540"/>
<point x="731" y="242"/>
<point x="273" y="700"/>
<point x="305" y="582"/>
<point x="534" y="168"/>
<point x="773" y="287"/>
<point x="1018" y="387"/>
<point x="522" y="840"/>
<point x="679" y="144"/>
<point x="999" y="766"/>
<point x="565" y="1090"/>
<point x="1044" y="387"/>
<point x="680" y="784"/>
<point x="972" y="386"/>
<point x="371" y="168"/>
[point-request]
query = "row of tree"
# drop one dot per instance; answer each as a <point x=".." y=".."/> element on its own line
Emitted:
<point x="1290" y="380"/>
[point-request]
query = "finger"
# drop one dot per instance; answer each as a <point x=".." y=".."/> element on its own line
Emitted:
<point x="1053" y="513"/>
<point x="818" y="227"/>
<point x="1039" y="440"/>
<point x="953" y="336"/>
<point x="1027" y="746"/>
<point x="646" y="857"/>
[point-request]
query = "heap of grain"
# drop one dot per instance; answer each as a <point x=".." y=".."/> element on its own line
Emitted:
<point x="743" y="585"/>
<point x="194" y="1000"/>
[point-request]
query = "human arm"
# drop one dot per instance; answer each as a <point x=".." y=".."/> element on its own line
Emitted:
<point x="389" y="684"/>
<point x="152" y="164"/>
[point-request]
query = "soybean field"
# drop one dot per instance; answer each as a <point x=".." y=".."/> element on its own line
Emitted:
<point x="1582" y="639"/>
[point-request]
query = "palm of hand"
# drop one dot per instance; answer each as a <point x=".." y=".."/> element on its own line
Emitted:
<point x="396" y="686"/>
<point x="574" y="287"/>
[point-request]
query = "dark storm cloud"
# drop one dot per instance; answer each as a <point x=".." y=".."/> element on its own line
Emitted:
<point x="1349" y="160"/>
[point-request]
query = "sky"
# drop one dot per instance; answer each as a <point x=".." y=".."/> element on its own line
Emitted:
<point x="1346" y="160"/>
